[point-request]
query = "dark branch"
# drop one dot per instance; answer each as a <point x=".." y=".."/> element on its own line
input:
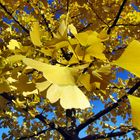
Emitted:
<point x="129" y="24"/>
<point x="47" y="24"/>
<point x="67" y="5"/>
<point x="108" y="135"/>
<point x="10" y="14"/>
<point x="117" y="17"/>
<point x="98" y="16"/>
<point x="40" y="117"/>
<point x="108" y="109"/>
<point x="44" y="18"/>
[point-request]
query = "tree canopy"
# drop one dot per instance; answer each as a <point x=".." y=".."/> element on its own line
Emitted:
<point x="59" y="60"/>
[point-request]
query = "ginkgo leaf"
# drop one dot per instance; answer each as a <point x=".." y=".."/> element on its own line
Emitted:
<point x="54" y="93"/>
<point x="135" y="110"/>
<point x="130" y="58"/>
<point x="62" y="28"/>
<point x="103" y="35"/>
<point x="35" y="34"/>
<point x="72" y="29"/>
<point x="84" y="79"/>
<point x="53" y="73"/>
<point x="96" y="50"/>
<point x="27" y="93"/>
<point x="42" y="85"/>
<point x="87" y="38"/>
<point x="104" y="69"/>
<point x="70" y="96"/>
<point x="15" y="58"/>
<point x="93" y="46"/>
<point x="13" y="44"/>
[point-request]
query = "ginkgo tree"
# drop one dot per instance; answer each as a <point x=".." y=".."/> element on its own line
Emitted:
<point x="59" y="60"/>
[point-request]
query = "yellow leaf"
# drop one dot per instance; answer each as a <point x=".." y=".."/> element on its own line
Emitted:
<point x="35" y="34"/>
<point x="61" y="44"/>
<point x="106" y="70"/>
<point x="43" y="85"/>
<point x="130" y="58"/>
<point x="13" y="44"/>
<point x="87" y="38"/>
<point x="96" y="50"/>
<point x="73" y="60"/>
<point x="135" y="110"/>
<point x="92" y="44"/>
<point x="19" y="103"/>
<point x="70" y="96"/>
<point x="103" y="35"/>
<point x="27" y="93"/>
<point x="53" y="73"/>
<point x="84" y="79"/>
<point x="15" y="58"/>
<point x="62" y="28"/>
<point x="72" y="29"/>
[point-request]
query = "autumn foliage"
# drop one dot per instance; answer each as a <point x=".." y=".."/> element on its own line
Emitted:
<point x="60" y="60"/>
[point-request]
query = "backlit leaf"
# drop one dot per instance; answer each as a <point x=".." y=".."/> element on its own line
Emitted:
<point x="15" y="58"/>
<point x="130" y="58"/>
<point x="42" y="85"/>
<point x="84" y="79"/>
<point x="70" y="96"/>
<point x="53" y="73"/>
<point x="135" y="110"/>
<point x="35" y="34"/>
<point x="13" y="44"/>
<point x="27" y="93"/>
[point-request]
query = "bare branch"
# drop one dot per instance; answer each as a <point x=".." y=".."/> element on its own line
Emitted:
<point x="108" y="135"/>
<point x="108" y="109"/>
<point x="129" y="24"/>
<point x="117" y="17"/>
<point x="40" y="117"/>
<point x="98" y="16"/>
<point x="10" y="14"/>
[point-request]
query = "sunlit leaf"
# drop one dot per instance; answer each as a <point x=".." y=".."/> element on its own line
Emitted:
<point x="130" y="58"/>
<point x="42" y="85"/>
<point x="84" y="79"/>
<point x="103" y="35"/>
<point x="72" y="29"/>
<point x="53" y="73"/>
<point x="70" y="96"/>
<point x="135" y="110"/>
<point x="87" y="38"/>
<point x="35" y="34"/>
<point x="19" y="103"/>
<point x="14" y="58"/>
<point x="27" y="93"/>
<point x="13" y="44"/>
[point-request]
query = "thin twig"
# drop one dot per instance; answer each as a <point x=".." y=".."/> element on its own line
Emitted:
<point x="107" y="135"/>
<point x="97" y="13"/>
<point x="10" y="14"/>
<point x="108" y="109"/>
<point x="117" y="17"/>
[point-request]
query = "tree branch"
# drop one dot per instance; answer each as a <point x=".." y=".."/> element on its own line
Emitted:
<point x="117" y="17"/>
<point x="44" y="19"/>
<point x="10" y="14"/>
<point x="108" y="135"/>
<point x="40" y="117"/>
<point x="108" y="109"/>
